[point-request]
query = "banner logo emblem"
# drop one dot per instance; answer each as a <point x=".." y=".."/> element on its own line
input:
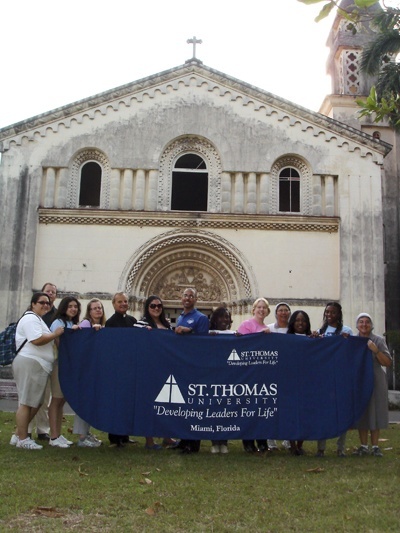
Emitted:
<point x="170" y="392"/>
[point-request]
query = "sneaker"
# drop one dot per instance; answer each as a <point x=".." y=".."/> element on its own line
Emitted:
<point x="94" y="438"/>
<point x="65" y="441"/>
<point x="376" y="451"/>
<point x="223" y="448"/>
<point x="320" y="453"/>
<point x="28" y="444"/>
<point x="272" y="445"/>
<point x="14" y="439"/>
<point x="58" y="442"/>
<point x="361" y="451"/>
<point x="215" y="449"/>
<point x="286" y="444"/>
<point x="43" y="436"/>
<point x="340" y="453"/>
<point x="88" y="443"/>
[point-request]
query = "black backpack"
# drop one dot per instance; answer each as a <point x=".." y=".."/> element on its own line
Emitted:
<point x="8" y="350"/>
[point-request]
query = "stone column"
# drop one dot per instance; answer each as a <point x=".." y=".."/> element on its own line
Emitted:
<point x="317" y="196"/>
<point x="151" y="200"/>
<point x="62" y="189"/>
<point x="115" y="184"/>
<point x="251" y="193"/>
<point x="239" y="193"/>
<point x="226" y="192"/>
<point x="329" y="196"/>
<point x="49" y="183"/>
<point x="263" y="197"/>
<point x="139" y="190"/>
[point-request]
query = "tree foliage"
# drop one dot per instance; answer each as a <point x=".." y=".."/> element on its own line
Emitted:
<point x="379" y="57"/>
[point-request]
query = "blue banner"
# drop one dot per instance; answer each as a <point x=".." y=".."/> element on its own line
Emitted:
<point x="140" y="382"/>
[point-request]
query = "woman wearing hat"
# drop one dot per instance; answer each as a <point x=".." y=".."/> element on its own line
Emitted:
<point x="376" y="416"/>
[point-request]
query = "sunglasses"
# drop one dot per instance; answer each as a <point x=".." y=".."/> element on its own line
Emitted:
<point x="155" y="306"/>
<point x="43" y="303"/>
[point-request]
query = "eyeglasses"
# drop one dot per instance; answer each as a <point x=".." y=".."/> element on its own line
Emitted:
<point x="155" y="306"/>
<point x="43" y="303"/>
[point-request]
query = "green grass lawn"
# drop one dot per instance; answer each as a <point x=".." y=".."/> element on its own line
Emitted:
<point x="132" y="489"/>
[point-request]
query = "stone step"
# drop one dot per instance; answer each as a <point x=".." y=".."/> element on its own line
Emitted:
<point x="8" y="389"/>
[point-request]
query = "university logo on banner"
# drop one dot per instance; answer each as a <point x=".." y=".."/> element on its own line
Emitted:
<point x="170" y="393"/>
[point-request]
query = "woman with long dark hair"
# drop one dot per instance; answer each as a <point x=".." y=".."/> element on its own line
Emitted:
<point x="333" y="325"/>
<point x="67" y="316"/>
<point x="299" y="324"/>
<point x="154" y="318"/>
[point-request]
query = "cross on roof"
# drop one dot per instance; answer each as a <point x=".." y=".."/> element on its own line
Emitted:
<point x="194" y="41"/>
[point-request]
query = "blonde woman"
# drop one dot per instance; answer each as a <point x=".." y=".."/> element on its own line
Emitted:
<point x="256" y="325"/>
<point x="94" y="318"/>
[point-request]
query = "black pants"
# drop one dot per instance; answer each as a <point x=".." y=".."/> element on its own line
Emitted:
<point x="118" y="439"/>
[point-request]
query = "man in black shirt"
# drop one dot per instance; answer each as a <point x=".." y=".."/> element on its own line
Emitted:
<point x="120" y="320"/>
<point x="51" y="290"/>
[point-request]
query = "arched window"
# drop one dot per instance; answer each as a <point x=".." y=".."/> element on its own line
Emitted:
<point x="289" y="190"/>
<point x="189" y="184"/>
<point x="90" y="184"/>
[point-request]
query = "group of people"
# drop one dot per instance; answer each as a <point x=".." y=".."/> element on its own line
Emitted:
<point x="375" y="416"/>
<point x="40" y="396"/>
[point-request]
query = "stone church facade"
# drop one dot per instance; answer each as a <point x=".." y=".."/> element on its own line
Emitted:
<point x="192" y="177"/>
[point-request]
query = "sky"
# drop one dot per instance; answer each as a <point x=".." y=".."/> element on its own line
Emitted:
<point x="54" y="53"/>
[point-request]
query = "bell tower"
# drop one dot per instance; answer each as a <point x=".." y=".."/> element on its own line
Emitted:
<point x="346" y="41"/>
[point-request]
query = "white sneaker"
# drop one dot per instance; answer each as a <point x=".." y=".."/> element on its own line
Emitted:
<point x="88" y="443"/>
<point x="28" y="444"/>
<point x="272" y="445"/>
<point x="14" y="439"/>
<point x="59" y="442"/>
<point x="223" y="448"/>
<point x="94" y="438"/>
<point x="214" y="449"/>
<point x="65" y="441"/>
<point x="286" y="444"/>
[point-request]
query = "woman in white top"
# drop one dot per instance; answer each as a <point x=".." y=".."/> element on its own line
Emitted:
<point x="333" y="325"/>
<point x="282" y="315"/>
<point x="32" y="366"/>
<point x="68" y="316"/>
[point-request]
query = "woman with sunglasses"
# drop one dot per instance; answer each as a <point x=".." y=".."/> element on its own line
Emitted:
<point x="32" y="366"/>
<point x="154" y="315"/>
<point x="154" y="318"/>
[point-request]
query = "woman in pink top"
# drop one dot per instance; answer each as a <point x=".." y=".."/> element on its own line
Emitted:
<point x="256" y="325"/>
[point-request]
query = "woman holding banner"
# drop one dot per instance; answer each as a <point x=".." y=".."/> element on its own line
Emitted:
<point x="256" y="325"/>
<point x="333" y="325"/>
<point x="154" y="318"/>
<point x="376" y="416"/>
<point x="282" y="315"/>
<point x="299" y="324"/>
<point x="220" y="323"/>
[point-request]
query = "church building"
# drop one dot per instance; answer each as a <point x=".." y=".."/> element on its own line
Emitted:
<point x="190" y="177"/>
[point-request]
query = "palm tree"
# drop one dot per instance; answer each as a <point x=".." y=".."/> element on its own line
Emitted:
<point x="379" y="58"/>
